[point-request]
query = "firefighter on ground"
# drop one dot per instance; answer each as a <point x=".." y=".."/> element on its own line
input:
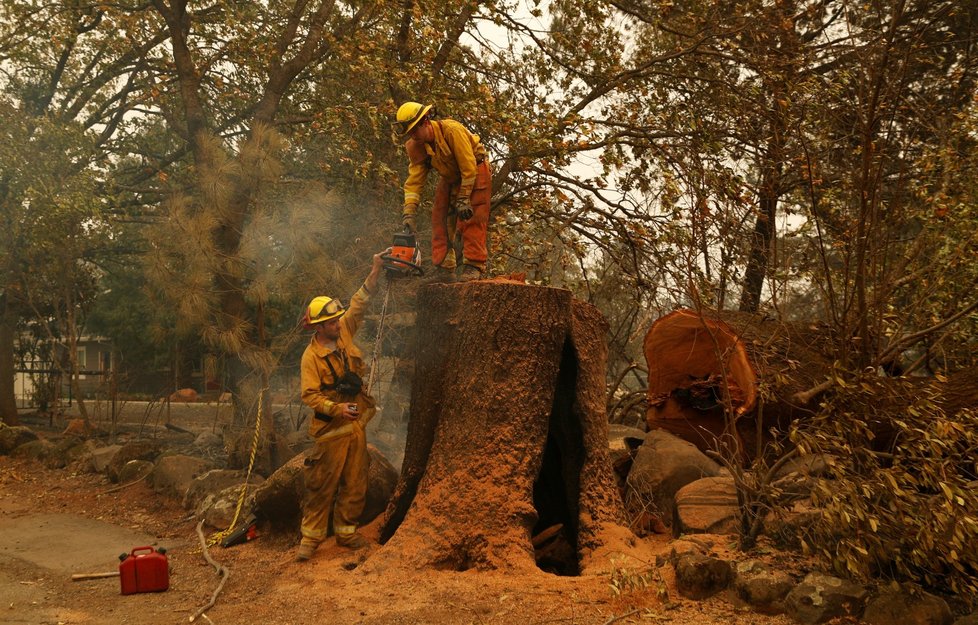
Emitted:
<point x="463" y="191"/>
<point x="332" y="385"/>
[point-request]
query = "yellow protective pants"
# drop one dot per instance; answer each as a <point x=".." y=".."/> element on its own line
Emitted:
<point x="335" y="471"/>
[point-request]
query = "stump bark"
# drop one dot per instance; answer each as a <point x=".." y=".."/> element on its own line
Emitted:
<point x="507" y="435"/>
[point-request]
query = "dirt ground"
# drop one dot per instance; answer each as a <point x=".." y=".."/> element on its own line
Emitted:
<point x="54" y="523"/>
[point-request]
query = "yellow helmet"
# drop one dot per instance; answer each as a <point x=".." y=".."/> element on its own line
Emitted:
<point x="322" y="309"/>
<point x="408" y="116"/>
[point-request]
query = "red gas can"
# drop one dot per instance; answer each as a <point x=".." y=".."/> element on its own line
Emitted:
<point x="144" y="569"/>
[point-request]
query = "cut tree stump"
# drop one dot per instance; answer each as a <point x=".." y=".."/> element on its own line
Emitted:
<point x="700" y="362"/>
<point x="507" y="434"/>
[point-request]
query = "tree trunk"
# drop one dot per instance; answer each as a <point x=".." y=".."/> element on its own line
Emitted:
<point x="706" y="371"/>
<point x="8" y="400"/>
<point x="507" y="435"/>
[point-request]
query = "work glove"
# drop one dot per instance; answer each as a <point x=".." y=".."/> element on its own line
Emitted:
<point x="409" y="217"/>
<point x="464" y="210"/>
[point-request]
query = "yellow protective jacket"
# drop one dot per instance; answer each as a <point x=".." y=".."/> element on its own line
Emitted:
<point x="454" y="155"/>
<point x="314" y="373"/>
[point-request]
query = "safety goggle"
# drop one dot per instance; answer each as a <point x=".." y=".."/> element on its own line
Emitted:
<point x="331" y="307"/>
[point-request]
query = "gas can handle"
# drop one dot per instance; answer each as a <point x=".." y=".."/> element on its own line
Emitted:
<point x="135" y="549"/>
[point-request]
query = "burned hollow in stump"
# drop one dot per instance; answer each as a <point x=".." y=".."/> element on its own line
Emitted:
<point x="507" y="438"/>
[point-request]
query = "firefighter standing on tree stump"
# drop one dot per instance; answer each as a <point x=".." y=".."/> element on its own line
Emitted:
<point x="463" y="191"/>
<point x="332" y="385"/>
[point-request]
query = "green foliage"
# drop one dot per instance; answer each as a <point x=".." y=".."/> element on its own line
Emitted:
<point x="899" y="499"/>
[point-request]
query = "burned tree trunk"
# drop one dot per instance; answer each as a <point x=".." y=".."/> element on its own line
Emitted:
<point x="507" y="435"/>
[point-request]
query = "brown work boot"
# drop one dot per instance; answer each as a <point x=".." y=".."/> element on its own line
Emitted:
<point x="469" y="273"/>
<point x="305" y="551"/>
<point x="353" y="541"/>
<point x="438" y="275"/>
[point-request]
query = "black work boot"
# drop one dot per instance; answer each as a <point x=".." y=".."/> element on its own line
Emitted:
<point x="469" y="272"/>
<point x="439" y="274"/>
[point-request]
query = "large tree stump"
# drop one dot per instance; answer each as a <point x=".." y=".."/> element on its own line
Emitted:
<point x="507" y="434"/>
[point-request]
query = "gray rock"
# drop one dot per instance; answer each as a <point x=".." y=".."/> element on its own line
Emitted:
<point x="761" y="587"/>
<point x="707" y="506"/>
<point x="213" y="482"/>
<point x="896" y="606"/>
<point x="34" y="450"/>
<point x="217" y="511"/>
<point x="809" y="465"/>
<point x="13" y="436"/>
<point x="209" y="440"/>
<point x="172" y="475"/>
<point x="134" y="470"/>
<point x="67" y="451"/>
<point x="133" y="450"/>
<point x="786" y="525"/>
<point x="701" y="577"/>
<point x="820" y="598"/>
<point x="102" y="456"/>
<point x="664" y="464"/>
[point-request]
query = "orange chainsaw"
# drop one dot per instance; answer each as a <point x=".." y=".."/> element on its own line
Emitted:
<point x="404" y="258"/>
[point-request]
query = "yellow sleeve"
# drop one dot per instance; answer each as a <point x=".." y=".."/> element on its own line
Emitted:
<point x="352" y="319"/>
<point x="417" y="172"/>
<point x="460" y="141"/>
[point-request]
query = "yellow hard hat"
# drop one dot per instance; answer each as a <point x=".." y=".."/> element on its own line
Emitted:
<point x="322" y="309"/>
<point x="408" y="116"/>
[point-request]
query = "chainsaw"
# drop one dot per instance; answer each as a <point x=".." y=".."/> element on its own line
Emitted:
<point x="404" y="258"/>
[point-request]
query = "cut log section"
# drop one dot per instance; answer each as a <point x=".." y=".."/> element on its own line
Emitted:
<point x="507" y="434"/>
<point x="706" y="370"/>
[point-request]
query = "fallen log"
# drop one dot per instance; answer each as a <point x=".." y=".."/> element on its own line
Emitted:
<point x="725" y="380"/>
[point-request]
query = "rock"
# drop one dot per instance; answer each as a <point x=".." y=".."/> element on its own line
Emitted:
<point x="67" y="451"/>
<point x="664" y="464"/>
<point x="701" y="577"/>
<point x="809" y="465"/>
<point x="896" y="606"/>
<point x="707" y="506"/>
<point x="102" y="456"/>
<point x="623" y="444"/>
<point x="218" y="510"/>
<point x="172" y="475"/>
<point x="820" y="598"/>
<point x="785" y="527"/>
<point x="134" y="470"/>
<point x="133" y="450"/>
<point x="760" y="587"/>
<point x="213" y="482"/>
<point x="183" y="395"/>
<point x="34" y="450"/>
<point x="13" y="436"/>
<point x="207" y="440"/>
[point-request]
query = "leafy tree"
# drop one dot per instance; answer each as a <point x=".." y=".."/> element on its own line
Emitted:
<point x="68" y="85"/>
